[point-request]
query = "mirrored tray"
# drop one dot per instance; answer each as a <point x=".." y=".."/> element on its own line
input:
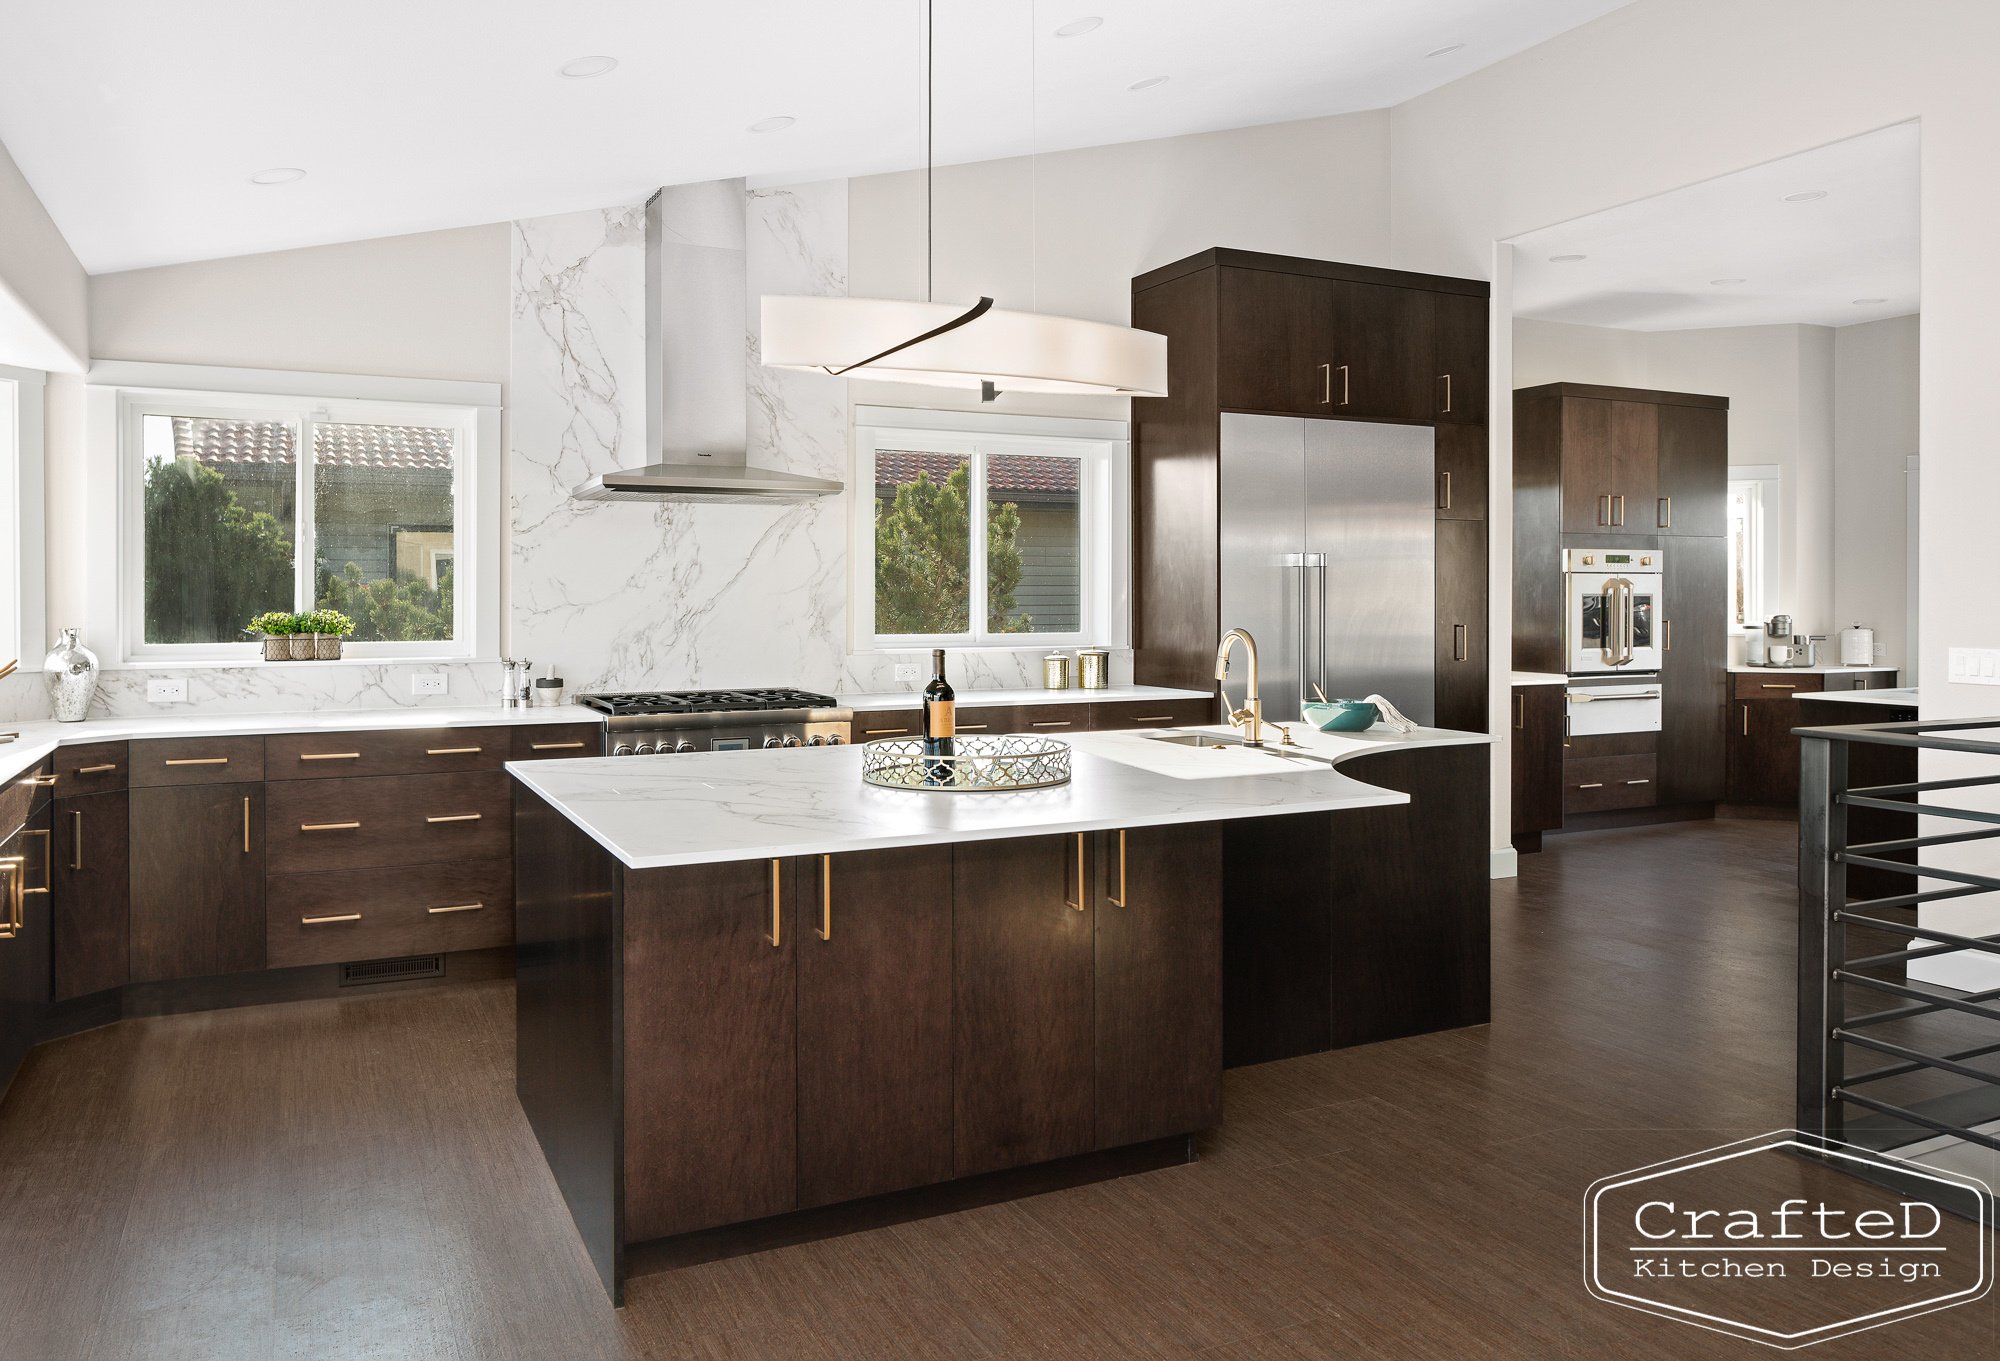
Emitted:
<point x="979" y="765"/>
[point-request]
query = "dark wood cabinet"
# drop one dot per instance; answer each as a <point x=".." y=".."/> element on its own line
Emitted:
<point x="1694" y="660"/>
<point x="1023" y="1038"/>
<point x="1461" y="359"/>
<point x="24" y="940"/>
<point x="372" y="820"/>
<point x="197" y="901"/>
<point x="1763" y="754"/>
<point x="1461" y="472"/>
<point x="1539" y="713"/>
<point x="1158" y="909"/>
<point x="1275" y="351"/>
<point x="1589" y="468"/>
<point x="556" y="741"/>
<point x="1635" y="465"/>
<point x="91" y="881"/>
<point x="1693" y="490"/>
<point x="873" y="940"/>
<point x="1461" y="625"/>
<point x="1381" y="352"/>
<point x="711" y="1057"/>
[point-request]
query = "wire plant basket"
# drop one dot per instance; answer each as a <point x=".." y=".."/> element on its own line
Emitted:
<point x="978" y="764"/>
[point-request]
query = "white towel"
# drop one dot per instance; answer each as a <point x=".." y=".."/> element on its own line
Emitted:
<point x="1391" y="715"/>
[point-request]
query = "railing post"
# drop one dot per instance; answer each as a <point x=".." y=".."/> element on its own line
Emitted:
<point x="1822" y="940"/>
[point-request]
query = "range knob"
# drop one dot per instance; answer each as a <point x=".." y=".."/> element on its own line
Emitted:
<point x="793" y="742"/>
<point x="835" y="740"/>
<point x="771" y="742"/>
<point x="683" y="746"/>
<point x="622" y="749"/>
<point x="817" y="740"/>
<point x="645" y="749"/>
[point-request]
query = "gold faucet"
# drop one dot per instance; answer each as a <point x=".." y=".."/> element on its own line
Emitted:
<point x="1251" y="716"/>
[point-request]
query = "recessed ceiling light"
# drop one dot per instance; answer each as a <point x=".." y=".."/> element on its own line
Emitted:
<point x="1868" y="302"/>
<point x="279" y="174"/>
<point x="1076" y="28"/>
<point x="778" y="124"/>
<point x="1566" y="259"/>
<point x="1725" y="281"/>
<point x="583" y="68"/>
<point x="1444" y="51"/>
<point x="1807" y="197"/>
<point x="1148" y="83"/>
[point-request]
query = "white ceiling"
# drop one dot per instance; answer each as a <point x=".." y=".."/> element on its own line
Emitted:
<point x="1652" y="265"/>
<point x="139" y="123"/>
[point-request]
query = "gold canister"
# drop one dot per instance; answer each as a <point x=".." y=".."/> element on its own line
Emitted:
<point x="1093" y="668"/>
<point x="1055" y="671"/>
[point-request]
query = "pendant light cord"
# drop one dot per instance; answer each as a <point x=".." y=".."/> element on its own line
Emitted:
<point x="930" y="63"/>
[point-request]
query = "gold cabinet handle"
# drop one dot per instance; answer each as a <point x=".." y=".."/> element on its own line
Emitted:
<point x="199" y="761"/>
<point x="970" y="727"/>
<point x="1638" y="782"/>
<point x="15" y="868"/>
<point x="1444" y="491"/>
<point x="776" y="935"/>
<point x="1052" y="723"/>
<point x="95" y="770"/>
<point x="1326" y="397"/>
<point x="329" y="756"/>
<point x="556" y="746"/>
<point x="1618" y="510"/>
<point x="1666" y="515"/>
<point x="76" y="838"/>
<point x="1447" y="402"/>
<point x="462" y="907"/>
<point x="47" y="853"/>
<point x="1666" y="635"/>
<point x="1594" y="784"/>
<point x="1604" y="510"/>
<point x="450" y="751"/>
<point x="1781" y="685"/>
<point x="1078" y="904"/>
<point x="1119" y="901"/>
<point x="453" y="817"/>
<point x="1343" y="385"/>
<point x="872" y="732"/>
<point x="1150" y="718"/>
<point x="1520" y="711"/>
<point x="40" y="781"/>
<point x="343" y="917"/>
<point x="825" y="897"/>
<point x="1458" y="637"/>
<point x="303" y="826"/>
<point x="246" y="824"/>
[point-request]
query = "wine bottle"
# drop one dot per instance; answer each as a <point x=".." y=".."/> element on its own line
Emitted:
<point x="939" y="722"/>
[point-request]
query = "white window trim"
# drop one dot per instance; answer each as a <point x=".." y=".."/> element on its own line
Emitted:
<point x="1766" y="476"/>
<point x="1103" y="446"/>
<point x="116" y="389"/>
<point x="23" y="572"/>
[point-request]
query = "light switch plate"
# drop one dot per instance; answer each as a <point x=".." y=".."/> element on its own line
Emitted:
<point x="1974" y="665"/>
<point x="1881" y="650"/>
<point x="166" y="692"/>
<point x="907" y="673"/>
<point x="430" y="683"/>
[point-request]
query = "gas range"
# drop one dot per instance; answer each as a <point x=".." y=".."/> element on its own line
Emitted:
<point x="663" y="722"/>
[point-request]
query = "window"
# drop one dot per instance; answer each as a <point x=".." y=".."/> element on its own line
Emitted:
<point x="987" y="532"/>
<point x="1753" y="492"/>
<point x="22" y="628"/>
<point x="233" y="505"/>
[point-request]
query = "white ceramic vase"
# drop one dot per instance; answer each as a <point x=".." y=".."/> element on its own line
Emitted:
<point x="71" y="669"/>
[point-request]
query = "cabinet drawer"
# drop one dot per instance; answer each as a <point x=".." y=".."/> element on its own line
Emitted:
<point x="1152" y="713"/>
<point x="334" y="755"/>
<point x="556" y="741"/>
<point x="888" y="723"/>
<point x="1053" y="720"/>
<point x="1777" y="685"/>
<point x="197" y="760"/>
<point x="989" y="720"/>
<point x="1597" y="783"/>
<point x="346" y="915"/>
<point x="26" y="792"/>
<point x="386" y="820"/>
<point x="92" y="768"/>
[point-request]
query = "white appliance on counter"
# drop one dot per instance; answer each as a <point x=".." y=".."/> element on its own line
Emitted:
<point x="1624" y="705"/>
<point x="1610" y="608"/>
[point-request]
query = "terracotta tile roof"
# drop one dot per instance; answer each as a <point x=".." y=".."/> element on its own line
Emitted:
<point x="1005" y="472"/>
<point x="237" y="443"/>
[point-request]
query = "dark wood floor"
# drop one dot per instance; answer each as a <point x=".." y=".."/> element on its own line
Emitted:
<point x="353" y="1178"/>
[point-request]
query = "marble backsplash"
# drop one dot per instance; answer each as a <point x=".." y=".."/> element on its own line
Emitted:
<point x="274" y="688"/>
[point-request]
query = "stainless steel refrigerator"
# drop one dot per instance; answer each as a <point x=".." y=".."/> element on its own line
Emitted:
<point x="1329" y="560"/>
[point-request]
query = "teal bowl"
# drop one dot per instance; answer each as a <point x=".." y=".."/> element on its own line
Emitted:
<point x="1341" y="715"/>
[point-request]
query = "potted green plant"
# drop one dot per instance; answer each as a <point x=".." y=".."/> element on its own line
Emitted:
<point x="329" y="627"/>
<point x="277" y="626"/>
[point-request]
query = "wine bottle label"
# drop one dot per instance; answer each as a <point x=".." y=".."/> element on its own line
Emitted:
<point x="941" y="718"/>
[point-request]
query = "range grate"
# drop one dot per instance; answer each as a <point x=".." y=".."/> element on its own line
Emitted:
<point x="392" y="970"/>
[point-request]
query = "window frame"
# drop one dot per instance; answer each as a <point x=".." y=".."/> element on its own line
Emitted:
<point x="121" y="395"/>
<point x="1103" y="452"/>
<point x="1762" y="479"/>
<point x="23" y="567"/>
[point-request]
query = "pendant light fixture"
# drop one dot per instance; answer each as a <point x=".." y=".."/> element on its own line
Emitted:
<point x="968" y="345"/>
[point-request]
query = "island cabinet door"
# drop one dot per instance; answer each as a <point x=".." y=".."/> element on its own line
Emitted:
<point x="711" y="1025"/>
<point x="91" y="882"/>
<point x="1023" y="1036"/>
<point x="1159" y="982"/>
<point x="873" y="933"/>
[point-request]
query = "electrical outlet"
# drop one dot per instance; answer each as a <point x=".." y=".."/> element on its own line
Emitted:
<point x="1881" y="650"/>
<point x="166" y="692"/>
<point x="1974" y="665"/>
<point x="909" y="673"/>
<point x="430" y="683"/>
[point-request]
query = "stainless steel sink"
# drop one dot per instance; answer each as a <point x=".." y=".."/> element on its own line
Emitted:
<point x="1218" y="742"/>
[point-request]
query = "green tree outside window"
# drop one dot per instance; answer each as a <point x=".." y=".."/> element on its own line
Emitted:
<point x="923" y="551"/>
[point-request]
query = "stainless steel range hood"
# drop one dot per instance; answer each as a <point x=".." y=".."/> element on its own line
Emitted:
<point x="697" y="400"/>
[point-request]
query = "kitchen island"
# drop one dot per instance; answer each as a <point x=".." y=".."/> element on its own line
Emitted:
<point x="757" y="998"/>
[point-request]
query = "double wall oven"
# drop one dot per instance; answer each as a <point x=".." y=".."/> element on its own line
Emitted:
<point x="1611" y="638"/>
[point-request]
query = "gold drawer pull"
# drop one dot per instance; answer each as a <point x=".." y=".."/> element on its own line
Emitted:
<point x="825" y="931"/>
<point x="94" y="770"/>
<point x="199" y="761"/>
<point x="776" y="937"/>
<point x="1638" y="782"/>
<point x="344" y="917"/>
<point x="327" y="826"/>
<point x="1156" y="718"/>
<point x="451" y="751"/>
<point x="1781" y="685"/>
<point x="556" y="746"/>
<point x="873" y="731"/>
<point x="40" y="781"/>
<point x="462" y="907"/>
<point x="457" y="817"/>
<point x="329" y="756"/>
<point x="1052" y="723"/>
<point x="972" y="727"/>
<point x="1119" y="901"/>
<point x="1594" y="784"/>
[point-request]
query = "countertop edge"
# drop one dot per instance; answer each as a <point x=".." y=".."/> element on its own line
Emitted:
<point x="882" y="701"/>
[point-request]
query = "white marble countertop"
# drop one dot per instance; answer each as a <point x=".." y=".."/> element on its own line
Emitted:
<point x="1538" y="678"/>
<point x="1903" y="698"/>
<point x="653" y="811"/>
<point x="878" y="701"/>
<point x="1828" y="669"/>
<point x="40" y="737"/>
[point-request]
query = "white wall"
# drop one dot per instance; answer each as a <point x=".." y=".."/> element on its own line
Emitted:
<point x="44" y="322"/>
<point x="1874" y="431"/>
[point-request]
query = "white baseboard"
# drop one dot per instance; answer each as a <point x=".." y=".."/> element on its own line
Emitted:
<point x="1504" y="863"/>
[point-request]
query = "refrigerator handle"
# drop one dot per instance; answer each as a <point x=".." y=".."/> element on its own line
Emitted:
<point x="1312" y="619"/>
